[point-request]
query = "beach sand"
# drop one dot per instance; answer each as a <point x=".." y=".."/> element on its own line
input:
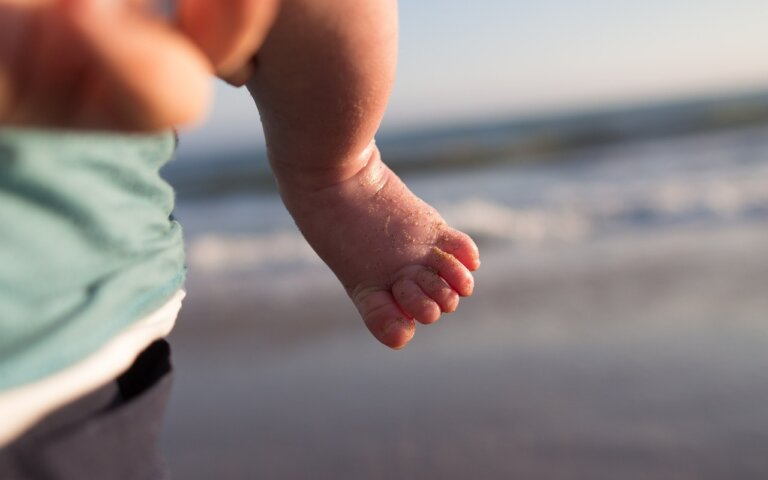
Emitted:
<point x="637" y="356"/>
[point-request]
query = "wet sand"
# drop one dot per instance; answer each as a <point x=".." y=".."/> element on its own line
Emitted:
<point x="637" y="357"/>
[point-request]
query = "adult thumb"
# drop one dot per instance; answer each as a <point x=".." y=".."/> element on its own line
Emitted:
<point x="144" y="74"/>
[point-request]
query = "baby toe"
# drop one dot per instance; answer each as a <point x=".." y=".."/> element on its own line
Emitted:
<point x="461" y="246"/>
<point x="415" y="302"/>
<point x="436" y="288"/>
<point x="384" y="318"/>
<point x="452" y="270"/>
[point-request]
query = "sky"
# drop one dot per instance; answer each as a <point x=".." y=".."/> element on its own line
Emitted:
<point x="462" y="61"/>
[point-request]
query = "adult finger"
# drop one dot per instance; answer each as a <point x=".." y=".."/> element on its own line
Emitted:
<point x="146" y="75"/>
<point x="229" y="36"/>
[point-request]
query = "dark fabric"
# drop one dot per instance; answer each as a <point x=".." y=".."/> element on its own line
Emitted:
<point x="111" y="433"/>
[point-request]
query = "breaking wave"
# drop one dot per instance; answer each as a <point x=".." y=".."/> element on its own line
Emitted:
<point x="708" y="181"/>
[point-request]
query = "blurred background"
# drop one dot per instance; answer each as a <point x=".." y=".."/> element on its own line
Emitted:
<point x="611" y="161"/>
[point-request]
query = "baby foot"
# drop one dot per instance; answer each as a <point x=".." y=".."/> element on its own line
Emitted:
<point x="396" y="257"/>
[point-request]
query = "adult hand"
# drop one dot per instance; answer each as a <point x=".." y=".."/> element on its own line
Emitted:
<point x="112" y="64"/>
<point x="96" y="64"/>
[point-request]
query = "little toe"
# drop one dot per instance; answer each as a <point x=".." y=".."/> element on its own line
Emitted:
<point x="452" y="270"/>
<point x="436" y="288"/>
<point x="384" y="318"/>
<point x="461" y="246"/>
<point x="415" y="302"/>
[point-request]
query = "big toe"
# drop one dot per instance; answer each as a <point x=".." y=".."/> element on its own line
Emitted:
<point x="384" y="318"/>
<point x="452" y="270"/>
<point x="461" y="246"/>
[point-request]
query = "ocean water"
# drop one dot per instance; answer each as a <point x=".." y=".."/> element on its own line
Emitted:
<point x="713" y="180"/>
<point x="617" y="330"/>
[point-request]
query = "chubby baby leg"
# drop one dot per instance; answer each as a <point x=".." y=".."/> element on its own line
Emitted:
<point x="322" y="80"/>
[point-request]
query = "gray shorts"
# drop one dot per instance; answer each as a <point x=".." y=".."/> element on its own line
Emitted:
<point x="111" y="433"/>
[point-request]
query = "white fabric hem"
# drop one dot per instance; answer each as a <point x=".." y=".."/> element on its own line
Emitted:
<point x="24" y="406"/>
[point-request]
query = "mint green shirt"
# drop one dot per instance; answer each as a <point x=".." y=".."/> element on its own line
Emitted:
<point x="86" y="244"/>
